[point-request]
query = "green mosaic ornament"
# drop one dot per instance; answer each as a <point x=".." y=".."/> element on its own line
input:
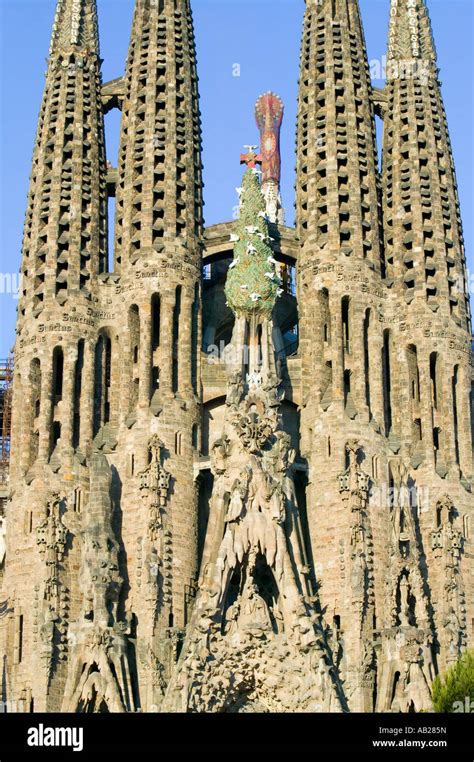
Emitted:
<point x="253" y="284"/>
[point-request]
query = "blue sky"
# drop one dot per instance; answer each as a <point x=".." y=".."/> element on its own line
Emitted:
<point x="263" y="38"/>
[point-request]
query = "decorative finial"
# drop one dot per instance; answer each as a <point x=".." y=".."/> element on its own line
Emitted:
<point x="251" y="158"/>
<point x="269" y="111"/>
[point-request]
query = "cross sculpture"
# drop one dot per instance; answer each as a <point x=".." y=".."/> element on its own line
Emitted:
<point x="251" y="159"/>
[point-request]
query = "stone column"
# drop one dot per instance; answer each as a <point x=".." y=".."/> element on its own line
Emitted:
<point x="357" y="362"/>
<point x="447" y="403"/>
<point x="145" y="358"/>
<point x="46" y="411"/>
<point x="184" y="343"/>
<point x="337" y="352"/>
<point x="426" y="410"/>
<point x="166" y="345"/>
<point x="466" y="450"/>
<point x="68" y="401"/>
<point x="87" y="397"/>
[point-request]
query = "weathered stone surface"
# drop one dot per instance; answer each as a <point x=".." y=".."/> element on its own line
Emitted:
<point x="234" y="504"/>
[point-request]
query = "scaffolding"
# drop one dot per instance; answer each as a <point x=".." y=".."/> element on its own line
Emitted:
<point x="6" y="386"/>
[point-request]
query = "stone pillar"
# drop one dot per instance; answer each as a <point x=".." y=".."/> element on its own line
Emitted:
<point x="426" y="409"/>
<point x="184" y="343"/>
<point x="358" y="363"/>
<point x="376" y="371"/>
<point x="466" y="449"/>
<point x="46" y="410"/>
<point x="67" y="402"/>
<point x="166" y="345"/>
<point x="447" y="403"/>
<point x="87" y="400"/>
<point x="337" y="352"/>
<point x="406" y="402"/>
<point x="145" y="358"/>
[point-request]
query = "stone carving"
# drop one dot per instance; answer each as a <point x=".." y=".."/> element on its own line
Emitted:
<point x="220" y="453"/>
<point x="354" y="489"/>
<point x="254" y="609"/>
<point x="408" y="641"/>
<point x="447" y="546"/>
<point x="253" y="430"/>
<point x="154" y="486"/>
<point x="51" y="538"/>
<point x="99" y="676"/>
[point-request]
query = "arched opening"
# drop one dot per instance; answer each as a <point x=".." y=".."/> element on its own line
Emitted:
<point x="434" y="379"/>
<point x="367" y="319"/>
<point x="386" y="381"/>
<point x="205" y="487"/>
<point x="155" y="342"/>
<point x="78" y="370"/>
<point x="112" y="123"/>
<point x="35" y="386"/>
<point x="455" y="386"/>
<point x="58" y="374"/>
<point x="259" y="584"/>
<point x="346" y="336"/>
<point x="212" y="423"/>
<point x="195" y="339"/>
<point x="175" y="345"/>
<point x="102" y="382"/>
<point x="134" y="372"/>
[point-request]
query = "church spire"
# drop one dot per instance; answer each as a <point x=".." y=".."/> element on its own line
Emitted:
<point x="64" y="244"/>
<point x="75" y="27"/>
<point x="410" y="36"/>
<point x="159" y="192"/>
<point x="337" y="199"/>
<point x="423" y="234"/>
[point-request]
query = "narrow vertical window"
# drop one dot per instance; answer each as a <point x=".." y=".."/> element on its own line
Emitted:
<point x="345" y="324"/>
<point x="155" y="342"/>
<point x="367" y="359"/>
<point x="176" y="317"/>
<point x="387" y="387"/>
<point x="194" y="339"/>
<point x="455" y="383"/>
<point x="76" y="426"/>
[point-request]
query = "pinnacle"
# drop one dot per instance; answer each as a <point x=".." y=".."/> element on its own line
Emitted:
<point x="252" y="283"/>
<point x="75" y="27"/>
<point x="410" y="35"/>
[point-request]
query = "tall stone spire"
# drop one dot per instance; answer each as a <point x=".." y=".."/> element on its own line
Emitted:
<point x="158" y="235"/>
<point x="421" y="205"/>
<point x="64" y="244"/>
<point x="426" y="268"/>
<point x="159" y="193"/>
<point x="337" y="202"/>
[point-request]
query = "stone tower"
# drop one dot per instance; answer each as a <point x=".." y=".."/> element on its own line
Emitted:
<point x="242" y="462"/>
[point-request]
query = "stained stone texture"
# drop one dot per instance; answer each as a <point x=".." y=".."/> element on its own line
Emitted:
<point x="223" y="501"/>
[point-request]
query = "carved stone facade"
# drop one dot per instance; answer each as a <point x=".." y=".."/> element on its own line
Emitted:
<point x="242" y="464"/>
